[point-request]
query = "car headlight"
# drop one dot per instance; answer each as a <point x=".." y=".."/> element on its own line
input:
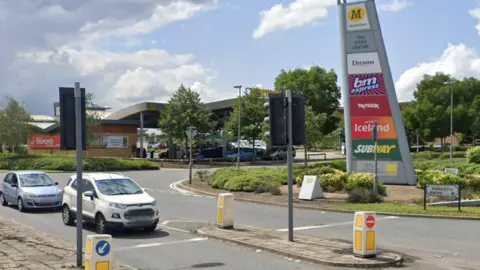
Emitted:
<point x="118" y="205"/>
<point x="154" y="203"/>
<point x="30" y="195"/>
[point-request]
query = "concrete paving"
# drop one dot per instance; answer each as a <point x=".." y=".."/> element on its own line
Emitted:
<point x="432" y="244"/>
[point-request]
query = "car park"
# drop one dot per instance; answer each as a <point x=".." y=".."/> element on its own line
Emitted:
<point x="110" y="201"/>
<point x="30" y="190"/>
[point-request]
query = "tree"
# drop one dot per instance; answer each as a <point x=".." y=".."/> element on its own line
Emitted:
<point x="313" y="129"/>
<point x="185" y="109"/>
<point x="93" y="118"/>
<point x="319" y="87"/>
<point x="252" y="114"/>
<point x="14" y="124"/>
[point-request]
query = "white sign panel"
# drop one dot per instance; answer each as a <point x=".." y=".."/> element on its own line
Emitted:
<point x="384" y="168"/>
<point x="357" y="17"/>
<point x="115" y="141"/>
<point x="310" y="189"/>
<point x="442" y="190"/>
<point x="453" y="171"/>
<point x="363" y="63"/>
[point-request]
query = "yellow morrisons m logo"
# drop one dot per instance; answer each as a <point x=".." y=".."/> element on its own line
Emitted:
<point x="356" y="14"/>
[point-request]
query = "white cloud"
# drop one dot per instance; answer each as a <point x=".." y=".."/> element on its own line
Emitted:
<point x="296" y="14"/>
<point x="475" y="13"/>
<point x="394" y="5"/>
<point x="56" y="43"/>
<point x="458" y="60"/>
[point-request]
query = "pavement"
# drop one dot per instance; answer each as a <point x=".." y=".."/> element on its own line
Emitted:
<point x="425" y="243"/>
<point x="22" y="247"/>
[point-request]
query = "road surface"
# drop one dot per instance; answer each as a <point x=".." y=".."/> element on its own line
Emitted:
<point x="431" y="243"/>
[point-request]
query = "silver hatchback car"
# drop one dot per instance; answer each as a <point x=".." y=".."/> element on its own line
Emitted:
<point x="30" y="190"/>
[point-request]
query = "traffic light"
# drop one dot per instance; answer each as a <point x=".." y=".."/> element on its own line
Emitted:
<point x="67" y="119"/>
<point x="276" y="119"/>
<point x="298" y="119"/>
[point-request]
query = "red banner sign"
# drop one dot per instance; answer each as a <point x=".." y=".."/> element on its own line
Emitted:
<point x="44" y="142"/>
<point x="369" y="106"/>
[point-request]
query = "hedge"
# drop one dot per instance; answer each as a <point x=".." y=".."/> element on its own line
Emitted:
<point x="438" y="155"/>
<point x="57" y="163"/>
<point x="439" y="177"/>
<point x="473" y="155"/>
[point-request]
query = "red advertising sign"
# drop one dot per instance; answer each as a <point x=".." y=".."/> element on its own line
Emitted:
<point x="366" y="85"/>
<point x="44" y="142"/>
<point x="362" y="128"/>
<point x="369" y="106"/>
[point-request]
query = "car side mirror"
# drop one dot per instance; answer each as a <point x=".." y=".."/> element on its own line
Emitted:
<point x="88" y="194"/>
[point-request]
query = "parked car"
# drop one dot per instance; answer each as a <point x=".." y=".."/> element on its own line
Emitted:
<point x="30" y="190"/>
<point x="277" y="152"/>
<point x="110" y="201"/>
<point x="246" y="154"/>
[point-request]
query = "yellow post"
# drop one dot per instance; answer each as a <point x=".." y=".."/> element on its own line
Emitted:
<point x="98" y="252"/>
<point x="364" y="237"/>
<point x="225" y="210"/>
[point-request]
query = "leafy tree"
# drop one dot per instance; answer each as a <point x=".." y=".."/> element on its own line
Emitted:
<point x="319" y="87"/>
<point x="313" y="129"/>
<point x="14" y="126"/>
<point x="252" y="114"/>
<point x="185" y="109"/>
<point x="93" y="118"/>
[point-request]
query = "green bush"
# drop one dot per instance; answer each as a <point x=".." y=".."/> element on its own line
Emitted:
<point x="473" y="182"/>
<point x="57" y="163"/>
<point x="363" y="195"/>
<point x="439" y="177"/>
<point x="333" y="182"/>
<point x="248" y="180"/>
<point x="364" y="180"/>
<point x="427" y="155"/>
<point x="454" y="155"/>
<point x="339" y="165"/>
<point x="473" y="155"/>
<point x="202" y="176"/>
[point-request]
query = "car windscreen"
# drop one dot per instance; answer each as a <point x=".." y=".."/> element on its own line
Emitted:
<point x="35" y="180"/>
<point x="122" y="186"/>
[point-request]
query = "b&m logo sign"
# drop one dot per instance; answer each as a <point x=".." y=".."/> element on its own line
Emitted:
<point x="367" y="85"/>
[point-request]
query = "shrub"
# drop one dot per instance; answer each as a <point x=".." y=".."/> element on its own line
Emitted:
<point x="333" y="182"/>
<point x="364" y="180"/>
<point x="248" y="180"/>
<point x="454" y="155"/>
<point x="427" y="155"/>
<point x="439" y="177"/>
<point x="363" y="195"/>
<point x="57" y="163"/>
<point x="339" y="165"/>
<point x="473" y="155"/>
<point x="473" y="182"/>
<point x="202" y="176"/>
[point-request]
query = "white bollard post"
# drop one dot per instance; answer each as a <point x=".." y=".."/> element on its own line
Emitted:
<point x="225" y="210"/>
<point x="364" y="237"/>
<point x="99" y="252"/>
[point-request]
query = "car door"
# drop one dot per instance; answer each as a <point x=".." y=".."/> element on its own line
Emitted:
<point x="88" y="205"/>
<point x="6" y="189"/>
<point x="14" y="188"/>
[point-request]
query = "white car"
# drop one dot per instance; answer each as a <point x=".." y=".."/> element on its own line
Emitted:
<point x="111" y="201"/>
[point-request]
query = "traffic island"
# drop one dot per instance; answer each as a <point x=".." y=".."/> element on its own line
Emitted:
<point x="311" y="249"/>
<point x="22" y="247"/>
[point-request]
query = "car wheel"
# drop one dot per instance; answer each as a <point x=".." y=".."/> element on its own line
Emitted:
<point x="67" y="216"/>
<point x="20" y="206"/>
<point x="2" y="200"/>
<point x="151" y="228"/>
<point x="100" y="224"/>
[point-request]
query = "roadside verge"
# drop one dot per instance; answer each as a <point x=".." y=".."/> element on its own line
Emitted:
<point x="183" y="185"/>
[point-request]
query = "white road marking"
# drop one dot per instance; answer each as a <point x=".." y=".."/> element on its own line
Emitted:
<point x="163" y="243"/>
<point x="330" y="225"/>
<point x="175" y="187"/>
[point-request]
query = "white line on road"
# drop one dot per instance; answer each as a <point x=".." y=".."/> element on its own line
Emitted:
<point x="175" y="187"/>
<point x="163" y="243"/>
<point x="330" y="225"/>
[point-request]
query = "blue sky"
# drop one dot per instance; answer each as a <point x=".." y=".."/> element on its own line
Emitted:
<point x="125" y="52"/>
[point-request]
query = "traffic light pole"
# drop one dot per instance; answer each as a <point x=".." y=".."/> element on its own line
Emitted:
<point x="78" y="135"/>
<point x="290" y="165"/>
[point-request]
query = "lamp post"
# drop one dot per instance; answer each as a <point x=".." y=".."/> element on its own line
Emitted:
<point x="239" y="106"/>
<point x="451" y="117"/>
<point x="374" y="137"/>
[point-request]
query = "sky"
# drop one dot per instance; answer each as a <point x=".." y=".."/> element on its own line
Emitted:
<point x="131" y="51"/>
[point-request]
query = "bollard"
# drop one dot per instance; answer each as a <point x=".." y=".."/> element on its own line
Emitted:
<point x="225" y="210"/>
<point x="364" y="234"/>
<point x="98" y="252"/>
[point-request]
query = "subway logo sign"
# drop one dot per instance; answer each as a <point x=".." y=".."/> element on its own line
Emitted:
<point x="364" y="149"/>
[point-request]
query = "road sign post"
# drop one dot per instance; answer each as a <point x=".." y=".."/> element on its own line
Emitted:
<point x="191" y="132"/>
<point x="99" y="252"/>
<point x="288" y="94"/>
<point x="440" y="190"/>
<point x="79" y="153"/>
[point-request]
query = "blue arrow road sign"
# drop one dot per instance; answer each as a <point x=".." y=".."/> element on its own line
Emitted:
<point x="102" y="248"/>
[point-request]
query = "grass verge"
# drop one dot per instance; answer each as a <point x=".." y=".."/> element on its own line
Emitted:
<point x="396" y="208"/>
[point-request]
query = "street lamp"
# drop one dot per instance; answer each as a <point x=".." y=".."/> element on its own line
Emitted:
<point x="239" y="106"/>
<point x="374" y="137"/>
<point x="451" y="117"/>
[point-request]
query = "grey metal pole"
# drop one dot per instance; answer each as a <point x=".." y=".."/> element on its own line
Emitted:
<point x="190" y="165"/>
<point x="238" y="140"/>
<point x="290" y="165"/>
<point x="418" y="142"/>
<point x="78" y="136"/>
<point x="141" y="134"/>
<point x="375" y="182"/>
<point x="451" y="122"/>
<point x="345" y="90"/>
